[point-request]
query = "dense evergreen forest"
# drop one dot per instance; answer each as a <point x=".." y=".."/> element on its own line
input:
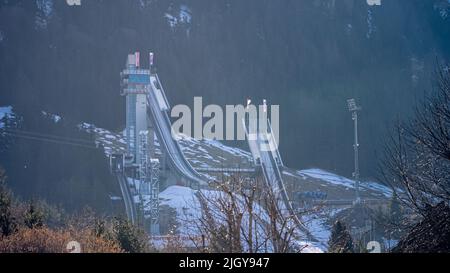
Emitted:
<point x="306" y="56"/>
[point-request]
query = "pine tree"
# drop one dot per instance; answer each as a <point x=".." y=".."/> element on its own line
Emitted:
<point x="8" y="223"/>
<point x="34" y="217"/>
<point x="130" y="238"/>
<point x="340" y="240"/>
<point x="100" y="229"/>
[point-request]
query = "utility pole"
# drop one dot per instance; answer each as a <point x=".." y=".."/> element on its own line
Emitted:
<point x="354" y="109"/>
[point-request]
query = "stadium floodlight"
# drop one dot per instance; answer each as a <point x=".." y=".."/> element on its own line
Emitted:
<point x="352" y="105"/>
<point x="353" y="108"/>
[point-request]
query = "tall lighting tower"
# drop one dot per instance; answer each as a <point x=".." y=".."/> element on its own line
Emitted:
<point x="354" y="109"/>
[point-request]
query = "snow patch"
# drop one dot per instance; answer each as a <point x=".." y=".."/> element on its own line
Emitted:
<point x="188" y="210"/>
<point x="443" y="8"/>
<point x="183" y="16"/>
<point x="54" y="117"/>
<point x="345" y="182"/>
<point x="370" y="24"/>
<point x="4" y="112"/>
<point x="45" y="11"/>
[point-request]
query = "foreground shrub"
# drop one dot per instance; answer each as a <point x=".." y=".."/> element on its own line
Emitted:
<point x="130" y="238"/>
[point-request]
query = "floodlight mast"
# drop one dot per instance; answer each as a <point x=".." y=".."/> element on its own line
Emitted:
<point x="353" y="108"/>
<point x="247" y="119"/>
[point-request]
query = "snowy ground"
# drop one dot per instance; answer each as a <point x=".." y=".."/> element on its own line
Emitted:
<point x="214" y="154"/>
<point x="200" y="153"/>
<point x="188" y="212"/>
<point x="5" y="110"/>
<point x="345" y="182"/>
<point x="54" y="117"/>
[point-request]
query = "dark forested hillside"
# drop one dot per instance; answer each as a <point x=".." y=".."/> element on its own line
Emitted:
<point x="307" y="56"/>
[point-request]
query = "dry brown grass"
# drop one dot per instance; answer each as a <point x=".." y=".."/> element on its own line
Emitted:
<point x="45" y="240"/>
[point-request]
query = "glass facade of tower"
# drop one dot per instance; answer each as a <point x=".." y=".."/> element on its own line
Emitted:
<point x="135" y="86"/>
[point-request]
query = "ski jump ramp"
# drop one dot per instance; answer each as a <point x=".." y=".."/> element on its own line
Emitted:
<point x="270" y="161"/>
<point x="157" y="111"/>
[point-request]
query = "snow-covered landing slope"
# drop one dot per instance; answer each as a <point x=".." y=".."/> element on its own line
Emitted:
<point x="188" y="210"/>
<point x="213" y="154"/>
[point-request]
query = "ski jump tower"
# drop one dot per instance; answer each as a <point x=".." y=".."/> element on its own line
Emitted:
<point x="135" y="86"/>
<point x="140" y="162"/>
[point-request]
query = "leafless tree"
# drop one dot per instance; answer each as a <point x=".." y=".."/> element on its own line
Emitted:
<point x="417" y="153"/>
<point x="242" y="215"/>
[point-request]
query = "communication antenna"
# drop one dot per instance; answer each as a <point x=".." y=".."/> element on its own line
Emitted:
<point x="151" y="57"/>
<point x="137" y="57"/>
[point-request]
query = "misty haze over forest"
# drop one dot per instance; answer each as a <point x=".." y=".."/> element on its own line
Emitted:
<point x="309" y="57"/>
